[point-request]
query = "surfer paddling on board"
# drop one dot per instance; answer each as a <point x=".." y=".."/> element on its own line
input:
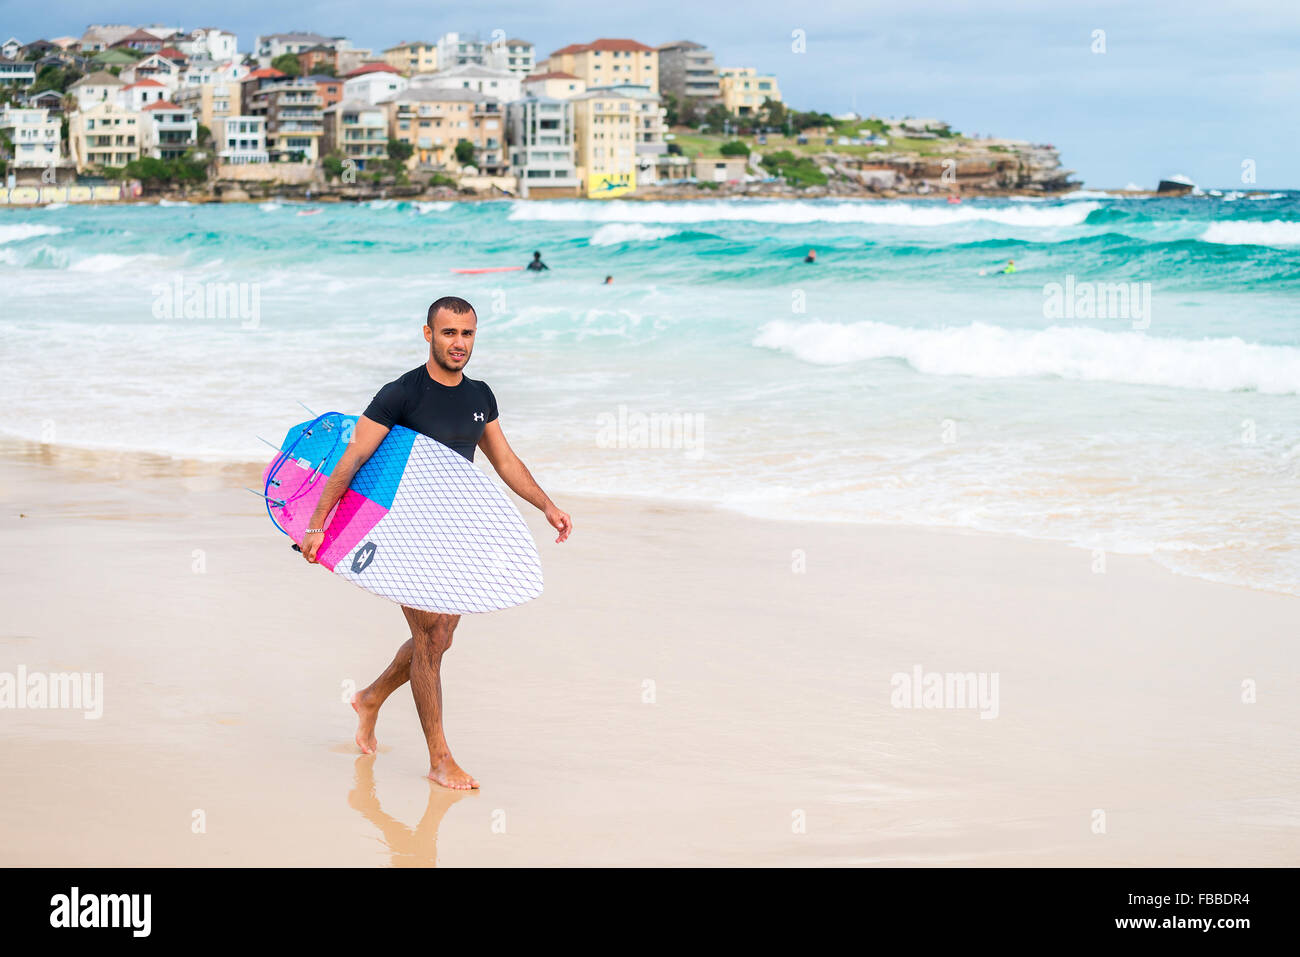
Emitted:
<point x="440" y="401"/>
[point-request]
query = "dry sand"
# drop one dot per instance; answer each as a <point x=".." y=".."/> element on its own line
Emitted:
<point x="679" y="695"/>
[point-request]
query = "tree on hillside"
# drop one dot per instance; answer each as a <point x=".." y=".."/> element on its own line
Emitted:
<point x="688" y="114"/>
<point x="670" y="110"/>
<point x="399" y="150"/>
<point x="287" y="63"/>
<point x="774" y="114"/>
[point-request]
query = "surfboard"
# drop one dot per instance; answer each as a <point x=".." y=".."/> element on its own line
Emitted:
<point x="419" y="525"/>
<point x="475" y="272"/>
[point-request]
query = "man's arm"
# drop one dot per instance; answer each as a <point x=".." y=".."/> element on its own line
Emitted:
<point x="516" y="475"/>
<point x="366" y="436"/>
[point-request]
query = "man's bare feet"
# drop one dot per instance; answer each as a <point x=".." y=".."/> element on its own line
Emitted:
<point x="366" y="726"/>
<point x="449" y="774"/>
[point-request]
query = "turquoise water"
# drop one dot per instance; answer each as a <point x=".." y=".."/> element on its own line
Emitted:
<point x="901" y="379"/>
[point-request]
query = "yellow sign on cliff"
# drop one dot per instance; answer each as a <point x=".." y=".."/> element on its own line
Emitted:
<point x="609" y="185"/>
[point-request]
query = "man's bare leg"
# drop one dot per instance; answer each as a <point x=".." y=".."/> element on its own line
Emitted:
<point x="367" y="701"/>
<point x="431" y="637"/>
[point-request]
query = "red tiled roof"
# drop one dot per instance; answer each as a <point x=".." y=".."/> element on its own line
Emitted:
<point x="171" y="53"/>
<point x="373" y="68"/>
<point x="145" y="82"/>
<point x="605" y="43"/>
<point x="139" y="35"/>
<point x="263" y="72"/>
<point x="553" y="75"/>
<point x="162" y="105"/>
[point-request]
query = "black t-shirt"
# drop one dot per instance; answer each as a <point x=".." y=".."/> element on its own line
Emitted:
<point x="454" y="415"/>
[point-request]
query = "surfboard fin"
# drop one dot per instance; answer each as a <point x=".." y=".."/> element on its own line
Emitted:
<point x="278" y="503"/>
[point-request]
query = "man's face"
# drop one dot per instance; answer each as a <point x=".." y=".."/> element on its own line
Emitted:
<point x="451" y="338"/>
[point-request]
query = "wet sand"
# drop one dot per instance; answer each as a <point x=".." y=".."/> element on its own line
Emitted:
<point x="681" y="694"/>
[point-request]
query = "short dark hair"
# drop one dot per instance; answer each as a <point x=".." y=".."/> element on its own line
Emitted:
<point x="452" y="304"/>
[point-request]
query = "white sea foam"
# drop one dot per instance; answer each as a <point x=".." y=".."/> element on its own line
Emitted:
<point x="1275" y="232"/>
<point x="17" y="232"/>
<point x="612" y="234"/>
<point x="869" y="212"/>
<point x="432" y="207"/>
<point x="1091" y="355"/>
<point x="115" y="262"/>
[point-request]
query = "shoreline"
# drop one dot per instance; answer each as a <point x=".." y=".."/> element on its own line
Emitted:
<point x="677" y="694"/>
<point x="124" y="462"/>
<point x="208" y="199"/>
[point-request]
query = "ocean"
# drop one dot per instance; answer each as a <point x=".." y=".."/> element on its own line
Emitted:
<point x="1133" y="387"/>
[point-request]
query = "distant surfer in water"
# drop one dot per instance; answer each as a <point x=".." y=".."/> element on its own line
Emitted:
<point x="440" y="401"/>
<point x="537" y="265"/>
<point x="1009" y="268"/>
<point x="811" y="257"/>
<point x="609" y="280"/>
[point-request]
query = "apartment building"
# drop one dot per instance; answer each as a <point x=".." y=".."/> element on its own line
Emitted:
<point x="607" y="62"/>
<point x="604" y="143"/>
<point x="502" y="84"/>
<point x="559" y="85"/>
<point x="513" y="55"/>
<point x="294" y="124"/>
<point x="17" y="73"/>
<point x="272" y="45"/>
<point x="240" y="140"/>
<point x="744" y="89"/>
<point x="211" y="91"/>
<point x="102" y="135"/>
<point x="357" y="131"/>
<point x="136" y="96"/>
<point x="541" y="150"/>
<point x="36" y="137"/>
<point x="373" y="83"/>
<point x="434" y="120"/>
<point x="167" y="130"/>
<point x="330" y="88"/>
<point x="413" y="57"/>
<point x="648" y="126"/>
<point x="95" y="88"/>
<point x="208" y="42"/>
<point x="688" y="71"/>
<point x="460" y="49"/>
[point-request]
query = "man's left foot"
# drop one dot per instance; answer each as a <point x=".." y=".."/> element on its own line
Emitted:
<point x="450" y="775"/>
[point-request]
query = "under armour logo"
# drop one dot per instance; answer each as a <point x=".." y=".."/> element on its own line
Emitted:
<point x="478" y="416"/>
<point x="364" y="556"/>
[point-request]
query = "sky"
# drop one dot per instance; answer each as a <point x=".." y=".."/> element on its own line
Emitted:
<point x="1193" y="87"/>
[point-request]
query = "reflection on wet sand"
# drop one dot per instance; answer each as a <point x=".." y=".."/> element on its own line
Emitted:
<point x="408" y="847"/>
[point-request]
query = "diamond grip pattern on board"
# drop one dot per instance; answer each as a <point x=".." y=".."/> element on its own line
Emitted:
<point x="450" y="543"/>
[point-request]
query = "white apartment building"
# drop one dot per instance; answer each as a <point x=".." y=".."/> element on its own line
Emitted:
<point x="372" y="87"/>
<point x="514" y="55"/>
<point x="167" y="130"/>
<point x="209" y="42"/>
<point x="502" y="84"/>
<point x="95" y="88"/>
<point x="541" y="150"/>
<point x="240" y="139"/>
<point x="35" y="135"/>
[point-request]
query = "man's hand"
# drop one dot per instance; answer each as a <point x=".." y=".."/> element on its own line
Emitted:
<point x="310" y="545"/>
<point x="560" y="521"/>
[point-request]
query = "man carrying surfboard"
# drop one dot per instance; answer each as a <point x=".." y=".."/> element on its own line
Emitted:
<point x="440" y="401"/>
